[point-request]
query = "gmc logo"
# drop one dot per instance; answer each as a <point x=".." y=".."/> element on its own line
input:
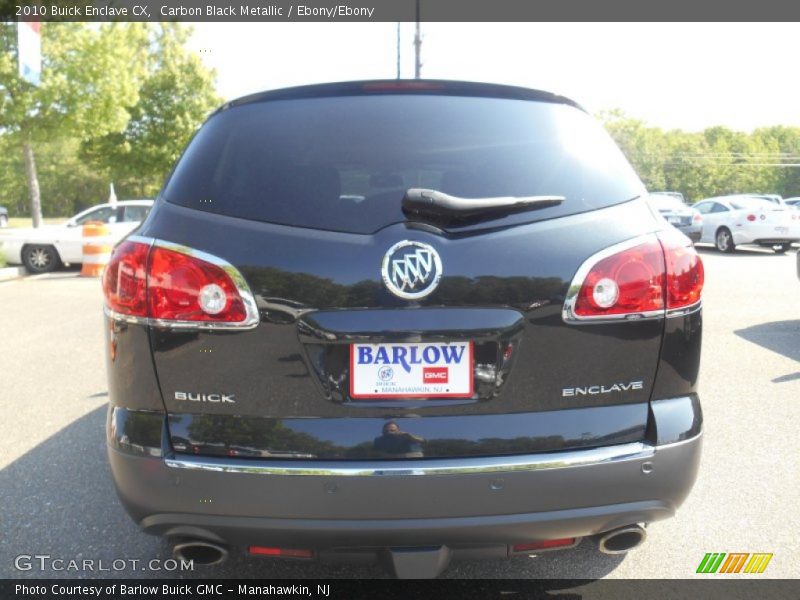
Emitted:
<point x="435" y="374"/>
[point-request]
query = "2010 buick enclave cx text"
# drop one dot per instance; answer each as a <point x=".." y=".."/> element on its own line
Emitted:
<point x="404" y="321"/>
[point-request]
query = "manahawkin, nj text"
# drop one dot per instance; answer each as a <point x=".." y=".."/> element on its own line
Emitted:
<point x="170" y="590"/>
<point x="146" y="10"/>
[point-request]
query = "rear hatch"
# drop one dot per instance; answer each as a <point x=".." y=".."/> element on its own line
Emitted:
<point x="302" y="192"/>
<point x="771" y="217"/>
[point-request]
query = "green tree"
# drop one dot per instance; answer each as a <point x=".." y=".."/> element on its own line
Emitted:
<point x="686" y="169"/>
<point x="67" y="183"/>
<point x="177" y="94"/>
<point x="644" y="146"/>
<point x="713" y="162"/>
<point x="89" y="75"/>
<point x="784" y="143"/>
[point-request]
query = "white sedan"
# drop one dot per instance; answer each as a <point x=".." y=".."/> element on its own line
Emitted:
<point x="730" y="221"/>
<point x="43" y="249"/>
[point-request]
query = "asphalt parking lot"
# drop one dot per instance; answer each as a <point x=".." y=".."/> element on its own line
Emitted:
<point x="57" y="496"/>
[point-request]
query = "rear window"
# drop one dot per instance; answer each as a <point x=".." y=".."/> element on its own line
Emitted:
<point x="666" y="203"/>
<point x="751" y="203"/>
<point x="344" y="163"/>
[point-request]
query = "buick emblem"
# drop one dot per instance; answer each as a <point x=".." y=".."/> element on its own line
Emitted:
<point x="411" y="270"/>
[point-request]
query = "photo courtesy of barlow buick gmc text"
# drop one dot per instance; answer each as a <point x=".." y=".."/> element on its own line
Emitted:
<point x="366" y="301"/>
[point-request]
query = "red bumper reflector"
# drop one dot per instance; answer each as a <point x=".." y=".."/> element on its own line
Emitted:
<point x="285" y="552"/>
<point x="545" y="545"/>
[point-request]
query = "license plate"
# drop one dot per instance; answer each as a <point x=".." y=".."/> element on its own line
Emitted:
<point x="419" y="370"/>
<point x="674" y="220"/>
<point x="782" y="229"/>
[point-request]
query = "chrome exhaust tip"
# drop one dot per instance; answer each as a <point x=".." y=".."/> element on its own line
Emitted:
<point x="200" y="552"/>
<point x="622" y="540"/>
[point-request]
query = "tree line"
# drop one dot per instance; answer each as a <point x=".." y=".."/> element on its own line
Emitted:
<point x="712" y="162"/>
<point x="117" y="103"/>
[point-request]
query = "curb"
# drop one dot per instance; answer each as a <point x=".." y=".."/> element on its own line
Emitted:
<point x="9" y="273"/>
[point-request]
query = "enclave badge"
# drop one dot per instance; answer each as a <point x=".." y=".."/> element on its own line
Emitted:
<point x="411" y="270"/>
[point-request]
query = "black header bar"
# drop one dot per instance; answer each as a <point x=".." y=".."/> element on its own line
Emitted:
<point x="400" y="10"/>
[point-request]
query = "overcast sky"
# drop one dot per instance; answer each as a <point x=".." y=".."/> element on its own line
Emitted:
<point x="673" y="75"/>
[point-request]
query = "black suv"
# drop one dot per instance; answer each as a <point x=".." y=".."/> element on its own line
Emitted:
<point x="407" y="320"/>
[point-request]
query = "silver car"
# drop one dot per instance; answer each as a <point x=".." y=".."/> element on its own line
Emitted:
<point x="684" y="218"/>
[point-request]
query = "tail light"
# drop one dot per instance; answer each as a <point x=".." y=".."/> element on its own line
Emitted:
<point x="630" y="281"/>
<point x="174" y="286"/>
<point x="685" y="273"/>
<point x="643" y="278"/>
<point x="125" y="279"/>
<point x="698" y="218"/>
<point x="751" y="218"/>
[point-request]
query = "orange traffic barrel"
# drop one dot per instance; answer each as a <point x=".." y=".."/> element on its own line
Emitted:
<point x="96" y="249"/>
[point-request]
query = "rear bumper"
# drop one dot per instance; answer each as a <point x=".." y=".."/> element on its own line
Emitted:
<point x="773" y="241"/>
<point x="566" y="496"/>
<point x="693" y="232"/>
<point x="11" y="251"/>
<point x="765" y="234"/>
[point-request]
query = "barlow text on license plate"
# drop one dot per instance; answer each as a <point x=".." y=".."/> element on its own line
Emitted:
<point x="419" y="370"/>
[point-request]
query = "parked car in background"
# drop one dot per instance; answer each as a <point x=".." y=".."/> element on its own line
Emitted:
<point x="3" y="216"/>
<point x="683" y="218"/>
<point x="774" y="198"/>
<point x="461" y="333"/>
<point x="677" y="195"/>
<point x="730" y="221"/>
<point x="45" y="248"/>
<point x="793" y="202"/>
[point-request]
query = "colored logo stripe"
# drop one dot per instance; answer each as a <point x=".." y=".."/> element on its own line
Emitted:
<point x="758" y="563"/>
<point x="710" y="562"/>
<point x="734" y="563"/>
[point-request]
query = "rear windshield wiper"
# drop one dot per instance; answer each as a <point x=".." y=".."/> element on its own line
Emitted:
<point x="431" y="202"/>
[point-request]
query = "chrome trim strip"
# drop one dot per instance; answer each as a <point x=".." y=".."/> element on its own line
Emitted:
<point x="568" y="312"/>
<point x="252" y="318"/>
<point x="684" y="310"/>
<point x="138" y="238"/>
<point x="679" y="443"/>
<point x="445" y="466"/>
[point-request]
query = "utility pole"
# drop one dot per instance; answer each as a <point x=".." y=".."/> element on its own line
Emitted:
<point x="398" y="50"/>
<point x="417" y="45"/>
